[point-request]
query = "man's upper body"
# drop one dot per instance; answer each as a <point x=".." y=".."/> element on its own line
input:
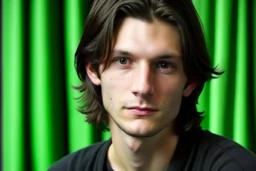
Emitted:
<point x="196" y="150"/>
<point x="143" y="64"/>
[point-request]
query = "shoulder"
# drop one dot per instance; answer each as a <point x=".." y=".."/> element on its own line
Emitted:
<point x="83" y="159"/>
<point x="220" y="153"/>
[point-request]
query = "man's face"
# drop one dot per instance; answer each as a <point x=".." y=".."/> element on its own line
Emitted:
<point x="143" y="86"/>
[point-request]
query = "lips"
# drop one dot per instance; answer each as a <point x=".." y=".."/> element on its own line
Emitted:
<point x="142" y="111"/>
<point x="143" y="108"/>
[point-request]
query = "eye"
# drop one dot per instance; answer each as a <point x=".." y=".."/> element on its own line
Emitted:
<point x="122" y="60"/>
<point x="164" y="65"/>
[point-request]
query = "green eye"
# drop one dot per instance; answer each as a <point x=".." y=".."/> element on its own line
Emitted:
<point x="123" y="61"/>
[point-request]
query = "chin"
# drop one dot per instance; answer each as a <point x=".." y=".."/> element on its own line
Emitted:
<point x="139" y="132"/>
<point x="141" y="135"/>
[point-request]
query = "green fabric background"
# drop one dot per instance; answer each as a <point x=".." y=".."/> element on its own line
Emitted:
<point x="39" y="37"/>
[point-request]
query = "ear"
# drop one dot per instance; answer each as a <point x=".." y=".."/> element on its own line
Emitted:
<point x="189" y="89"/>
<point x="92" y="74"/>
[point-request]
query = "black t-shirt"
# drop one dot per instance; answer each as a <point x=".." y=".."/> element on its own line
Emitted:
<point x="196" y="150"/>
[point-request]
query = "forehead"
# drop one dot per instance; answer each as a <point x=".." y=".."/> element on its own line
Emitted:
<point x="149" y="38"/>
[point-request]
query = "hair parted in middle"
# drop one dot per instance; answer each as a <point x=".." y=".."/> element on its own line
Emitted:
<point x="99" y="35"/>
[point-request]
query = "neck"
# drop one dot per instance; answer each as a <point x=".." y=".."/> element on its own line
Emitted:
<point x="139" y="154"/>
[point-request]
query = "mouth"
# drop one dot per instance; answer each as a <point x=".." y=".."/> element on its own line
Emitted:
<point x="142" y="111"/>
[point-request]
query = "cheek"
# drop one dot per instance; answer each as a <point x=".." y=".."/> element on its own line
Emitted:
<point x="113" y="89"/>
<point x="171" y="99"/>
<point x="171" y="94"/>
<point x="108" y="92"/>
<point x="170" y="105"/>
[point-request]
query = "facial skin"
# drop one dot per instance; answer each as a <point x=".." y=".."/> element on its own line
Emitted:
<point x="144" y="84"/>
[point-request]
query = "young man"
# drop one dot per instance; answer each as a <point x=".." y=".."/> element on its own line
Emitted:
<point x="143" y="64"/>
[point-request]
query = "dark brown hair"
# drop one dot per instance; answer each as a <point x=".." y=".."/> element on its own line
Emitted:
<point x="101" y="26"/>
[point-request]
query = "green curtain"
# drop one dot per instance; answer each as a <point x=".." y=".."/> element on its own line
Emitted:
<point x="39" y="38"/>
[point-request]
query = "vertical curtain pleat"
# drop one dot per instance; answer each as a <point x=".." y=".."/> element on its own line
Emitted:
<point x="41" y="99"/>
<point x="13" y="123"/>
<point x="218" y="87"/>
<point x="40" y="118"/>
<point x="240" y="93"/>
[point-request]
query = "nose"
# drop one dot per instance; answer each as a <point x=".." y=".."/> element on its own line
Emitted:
<point x="143" y="81"/>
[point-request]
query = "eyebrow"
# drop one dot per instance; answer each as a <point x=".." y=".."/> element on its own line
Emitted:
<point x="167" y="55"/>
<point x="121" y="52"/>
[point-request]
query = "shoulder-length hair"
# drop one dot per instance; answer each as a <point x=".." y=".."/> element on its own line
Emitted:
<point x="99" y="34"/>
